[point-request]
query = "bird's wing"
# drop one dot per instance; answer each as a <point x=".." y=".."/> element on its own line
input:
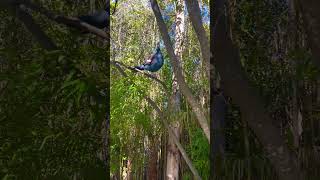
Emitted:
<point x="152" y="58"/>
<point x="148" y="61"/>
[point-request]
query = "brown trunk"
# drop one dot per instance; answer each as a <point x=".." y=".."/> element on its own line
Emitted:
<point x="152" y="163"/>
<point x="237" y="86"/>
<point x="173" y="155"/>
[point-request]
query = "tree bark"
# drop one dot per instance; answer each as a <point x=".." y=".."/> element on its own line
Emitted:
<point x="292" y="46"/>
<point x="218" y="112"/>
<point x="195" y="17"/>
<point x="237" y="86"/>
<point x="175" y="139"/>
<point x="152" y="162"/>
<point x="173" y="155"/>
<point x="311" y="20"/>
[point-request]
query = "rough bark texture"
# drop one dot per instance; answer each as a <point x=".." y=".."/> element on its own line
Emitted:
<point x="152" y="162"/>
<point x="236" y="85"/>
<point x="173" y="155"/>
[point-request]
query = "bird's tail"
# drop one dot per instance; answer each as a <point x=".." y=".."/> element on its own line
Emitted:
<point x="139" y="67"/>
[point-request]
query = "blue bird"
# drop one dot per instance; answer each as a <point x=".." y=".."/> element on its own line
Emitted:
<point x="99" y="19"/>
<point x="154" y="62"/>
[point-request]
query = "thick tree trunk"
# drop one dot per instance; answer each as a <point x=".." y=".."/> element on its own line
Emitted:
<point x="237" y="86"/>
<point x="311" y="18"/>
<point x="218" y="111"/>
<point x="292" y="45"/>
<point x="152" y="165"/>
<point x="173" y="155"/>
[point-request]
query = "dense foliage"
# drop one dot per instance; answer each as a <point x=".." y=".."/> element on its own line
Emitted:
<point x="136" y="129"/>
<point x="53" y="103"/>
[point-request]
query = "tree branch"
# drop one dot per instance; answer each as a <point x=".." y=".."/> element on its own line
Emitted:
<point x="19" y="11"/>
<point x="195" y="17"/>
<point x="174" y="138"/>
<point x="166" y="125"/>
<point x="178" y="72"/>
<point x="35" y="29"/>
<point x="68" y="21"/>
<point x="117" y="63"/>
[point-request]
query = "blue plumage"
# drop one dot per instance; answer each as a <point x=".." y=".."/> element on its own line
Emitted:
<point x="154" y="63"/>
<point x="98" y="19"/>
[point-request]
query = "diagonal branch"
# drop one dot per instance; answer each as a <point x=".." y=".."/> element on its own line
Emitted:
<point x="69" y="21"/>
<point x="20" y="12"/>
<point x="35" y="29"/>
<point x="166" y="125"/>
<point x="174" y="138"/>
<point x="19" y="6"/>
<point x="195" y="17"/>
<point x="237" y="86"/>
<point x="178" y="71"/>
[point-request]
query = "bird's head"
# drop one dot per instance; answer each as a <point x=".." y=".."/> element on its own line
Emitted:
<point x="158" y="46"/>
